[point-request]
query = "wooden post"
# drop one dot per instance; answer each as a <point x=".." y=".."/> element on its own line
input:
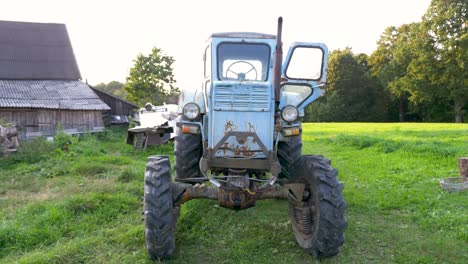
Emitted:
<point x="463" y="166"/>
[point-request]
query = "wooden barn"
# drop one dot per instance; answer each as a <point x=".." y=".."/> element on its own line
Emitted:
<point x="40" y="82"/>
<point x="120" y="109"/>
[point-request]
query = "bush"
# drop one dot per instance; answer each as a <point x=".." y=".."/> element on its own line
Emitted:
<point x="64" y="141"/>
<point x="34" y="150"/>
<point x="4" y="123"/>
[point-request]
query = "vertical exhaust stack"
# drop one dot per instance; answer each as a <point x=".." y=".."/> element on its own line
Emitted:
<point x="278" y="60"/>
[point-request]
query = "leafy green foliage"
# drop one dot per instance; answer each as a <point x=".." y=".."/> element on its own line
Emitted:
<point x="422" y="65"/>
<point x="113" y="87"/>
<point x="151" y="79"/>
<point x="352" y="93"/>
<point x="390" y="63"/>
<point x="31" y="151"/>
<point x="64" y="141"/>
<point x="88" y="210"/>
<point x="446" y="53"/>
<point x="4" y="123"/>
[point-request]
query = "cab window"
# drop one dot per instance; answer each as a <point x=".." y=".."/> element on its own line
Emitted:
<point x="243" y="61"/>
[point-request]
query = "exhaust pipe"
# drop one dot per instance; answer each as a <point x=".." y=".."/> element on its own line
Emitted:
<point x="278" y="60"/>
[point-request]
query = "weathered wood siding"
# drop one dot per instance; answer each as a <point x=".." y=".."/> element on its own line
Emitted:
<point x="42" y="122"/>
<point x="117" y="105"/>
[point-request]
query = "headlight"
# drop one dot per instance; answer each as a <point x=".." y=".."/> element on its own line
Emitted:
<point x="148" y="107"/>
<point x="289" y="113"/>
<point x="191" y="111"/>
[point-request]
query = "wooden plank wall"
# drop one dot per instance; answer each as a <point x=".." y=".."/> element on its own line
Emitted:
<point x="118" y="107"/>
<point x="42" y="122"/>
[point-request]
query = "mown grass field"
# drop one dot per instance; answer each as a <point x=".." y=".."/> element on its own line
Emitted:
<point x="84" y="205"/>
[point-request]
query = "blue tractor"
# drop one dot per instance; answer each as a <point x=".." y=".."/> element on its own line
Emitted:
<point x="238" y="140"/>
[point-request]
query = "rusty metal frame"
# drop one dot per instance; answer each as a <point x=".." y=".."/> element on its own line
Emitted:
<point x="233" y="198"/>
<point x="269" y="163"/>
<point x="241" y="134"/>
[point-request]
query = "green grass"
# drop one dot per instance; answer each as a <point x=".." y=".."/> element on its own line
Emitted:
<point x="84" y="205"/>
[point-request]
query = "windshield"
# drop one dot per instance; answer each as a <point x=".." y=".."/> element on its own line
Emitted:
<point x="243" y="61"/>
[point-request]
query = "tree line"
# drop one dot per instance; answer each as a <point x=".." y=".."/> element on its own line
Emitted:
<point x="417" y="74"/>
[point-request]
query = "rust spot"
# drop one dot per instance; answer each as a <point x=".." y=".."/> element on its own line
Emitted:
<point x="251" y="128"/>
<point x="228" y="127"/>
<point x="241" y="139"/>
<point x="184" y="198"/>
<point x="236" y="199"/>
<point x="246" y="150"/>
<point x="236" y="150"/>
<point x="225" y="147"/>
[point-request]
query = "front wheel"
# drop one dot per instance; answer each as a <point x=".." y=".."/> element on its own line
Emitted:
<point x="318" y="215"/>
<point x="289" y="152"/>
<point x="160" y="212"/>
<point x="188" y="150"/>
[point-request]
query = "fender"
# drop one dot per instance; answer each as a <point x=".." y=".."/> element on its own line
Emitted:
<point x="192" y="96"/>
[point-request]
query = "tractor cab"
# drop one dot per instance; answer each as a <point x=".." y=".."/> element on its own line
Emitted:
<point x="241" y="56"/>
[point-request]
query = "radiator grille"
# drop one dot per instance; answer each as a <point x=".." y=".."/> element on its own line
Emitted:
<point x="242" y="98"/>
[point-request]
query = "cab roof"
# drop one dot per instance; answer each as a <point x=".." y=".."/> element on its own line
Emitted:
<point x="251" y="35"/>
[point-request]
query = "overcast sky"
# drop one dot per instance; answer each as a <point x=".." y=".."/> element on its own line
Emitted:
<point x="107" y="35"/>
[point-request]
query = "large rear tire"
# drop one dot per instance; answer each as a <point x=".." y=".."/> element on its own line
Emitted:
<point x="288" y="153"/>
<point x="188" y="150"/>
<point x="160" y="213"/>
<point x="318" y="219"/>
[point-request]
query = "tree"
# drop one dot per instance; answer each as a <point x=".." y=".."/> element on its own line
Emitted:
<point x="384" y="52"/>
<point x="151" y="79"/>
<point x="390" y="64"/>
<point x="113" y="87"/>
<point x="443" y="63"/>
<point x="352" y="94"/>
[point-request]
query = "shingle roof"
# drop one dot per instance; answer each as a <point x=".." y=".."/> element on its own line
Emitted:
<point x="98" y="92"/>
<point x="36" y="51"/>
<point x="49" y="94"/>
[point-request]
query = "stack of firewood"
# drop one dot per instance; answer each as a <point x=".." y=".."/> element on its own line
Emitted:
<point x="463" y="166"/>
<point x="8" y="139"/>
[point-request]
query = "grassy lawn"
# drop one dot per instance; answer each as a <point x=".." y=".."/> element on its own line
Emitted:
<point x="84" y="205"/>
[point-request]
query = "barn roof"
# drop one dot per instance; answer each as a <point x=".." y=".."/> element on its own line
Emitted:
<point x="36" y="51"/>
<point x="99" y="92"/>
<point x="49" y="94"/>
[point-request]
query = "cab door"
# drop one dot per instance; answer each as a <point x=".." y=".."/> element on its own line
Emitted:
<point x="304" y="74"/>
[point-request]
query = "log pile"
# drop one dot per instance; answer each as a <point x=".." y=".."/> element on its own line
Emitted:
<point x="463" y="167"/>
<point x="8" y="139"/>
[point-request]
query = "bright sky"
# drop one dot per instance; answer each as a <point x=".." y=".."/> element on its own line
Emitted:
<point x="108" y="34"/>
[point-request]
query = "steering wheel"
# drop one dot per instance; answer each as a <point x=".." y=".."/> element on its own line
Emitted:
<point x="239" y="70"/>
